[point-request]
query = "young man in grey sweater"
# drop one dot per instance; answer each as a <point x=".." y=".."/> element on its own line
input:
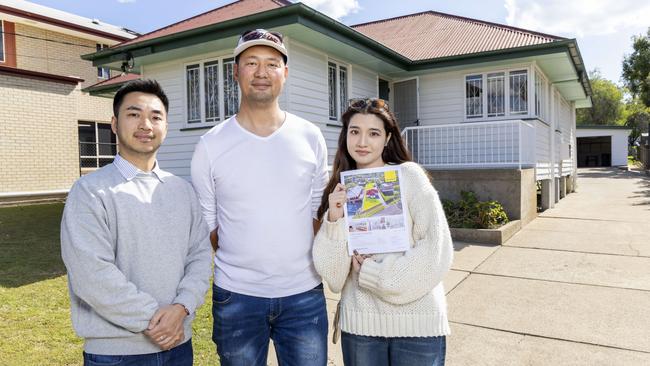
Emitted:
<point x="135" y="245"/>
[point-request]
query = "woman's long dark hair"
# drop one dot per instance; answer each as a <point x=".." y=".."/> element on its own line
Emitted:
<point x="395" y="152"/>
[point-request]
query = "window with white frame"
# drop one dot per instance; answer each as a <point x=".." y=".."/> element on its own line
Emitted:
<point x="496" y="105"/>
<point x="211" y="91"/>
<point x="474" y="96"/>
<point x="519" y="92"/>
<point x="337" y="85"/>
<point x="503" y="93"/>
<point x="102" y="72"/>
<point x="541" y="96"/>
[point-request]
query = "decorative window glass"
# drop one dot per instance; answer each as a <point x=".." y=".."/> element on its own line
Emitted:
<point x="540" y="96"/>
<point x="519" y="92"/>
<point x="331" y="85"/>
<point x="230" y="88"/>
<point x="211" y="85"/>
<point x="192" y="76"/>
<point x="102" y="72"/>
<point x="474" y="96"/>
<point x="2" y="42"/>
<point x="211" y="92"/>
<point x="496" y="105"/>
<point x="503" y="93"/>
<point x="337" y="84"/>
<point x="343" y="89"/>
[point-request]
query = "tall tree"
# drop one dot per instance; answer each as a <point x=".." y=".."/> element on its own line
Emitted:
<point x="636" y="68"/>
<point x="607" y="100"/>
<point x="637" y="117"/>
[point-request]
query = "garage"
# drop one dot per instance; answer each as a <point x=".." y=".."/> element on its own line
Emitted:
<point x="602" y="146"/>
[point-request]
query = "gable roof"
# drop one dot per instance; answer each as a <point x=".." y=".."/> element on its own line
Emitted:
<point x="108" y="88"/>
<point x="430" y="35"/>
<point x="234" y="10"/>
<point x="472" y="41"/>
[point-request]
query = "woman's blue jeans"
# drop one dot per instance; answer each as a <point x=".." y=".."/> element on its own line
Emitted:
<point x="395" y="351"/>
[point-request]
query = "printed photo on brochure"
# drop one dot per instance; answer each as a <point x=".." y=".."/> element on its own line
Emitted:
<point x="375" y="211"/>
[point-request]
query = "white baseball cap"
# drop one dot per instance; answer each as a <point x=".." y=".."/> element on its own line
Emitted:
<point x="261" y="37"/>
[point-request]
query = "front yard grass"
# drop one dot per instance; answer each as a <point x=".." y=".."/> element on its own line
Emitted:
<point x="35" y="326"/>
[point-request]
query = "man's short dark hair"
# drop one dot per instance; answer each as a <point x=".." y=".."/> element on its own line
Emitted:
<point x="146" y="86"/>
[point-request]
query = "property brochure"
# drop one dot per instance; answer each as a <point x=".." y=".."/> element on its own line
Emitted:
<point x="375" y="211"/>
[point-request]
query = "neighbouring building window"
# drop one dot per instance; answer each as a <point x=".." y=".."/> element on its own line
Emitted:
<point x="501" y="98"/>
<point x="97" y="144"/>
<point x="211" y="92"/>
<point x="103" y="72"/>
<point x="2" y="42"/>
<point x="337" y="85"/>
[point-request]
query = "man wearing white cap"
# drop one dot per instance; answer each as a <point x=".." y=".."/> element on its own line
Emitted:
<point x="260" y="176"/>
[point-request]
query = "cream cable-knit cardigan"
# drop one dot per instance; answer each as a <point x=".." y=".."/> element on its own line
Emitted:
<point x="395" y="294"/>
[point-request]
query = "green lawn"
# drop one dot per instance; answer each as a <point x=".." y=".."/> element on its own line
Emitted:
<point x="35" y="324"/>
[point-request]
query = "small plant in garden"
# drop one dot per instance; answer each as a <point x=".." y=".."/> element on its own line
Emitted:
<point x="471" y="213"/>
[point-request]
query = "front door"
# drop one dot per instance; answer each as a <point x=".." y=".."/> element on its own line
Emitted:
<point x="405" y="108"/>
<point x="405" y="105"/>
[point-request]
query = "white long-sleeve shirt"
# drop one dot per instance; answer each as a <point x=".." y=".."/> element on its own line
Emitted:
<point x="262" y="193"/>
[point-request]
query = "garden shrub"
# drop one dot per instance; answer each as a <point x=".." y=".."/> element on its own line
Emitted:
<point x="471" y="213"/>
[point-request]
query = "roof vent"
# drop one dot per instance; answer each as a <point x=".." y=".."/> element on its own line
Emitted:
<point x="96" y="21"/>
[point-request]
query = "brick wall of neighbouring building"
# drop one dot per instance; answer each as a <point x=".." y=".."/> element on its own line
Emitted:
<point x="62" y="57"/>
<point x="97" y="109"/>
<point x="38" y="134"/>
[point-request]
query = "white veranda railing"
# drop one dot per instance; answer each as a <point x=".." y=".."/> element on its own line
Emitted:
<point x="502" y="144"/>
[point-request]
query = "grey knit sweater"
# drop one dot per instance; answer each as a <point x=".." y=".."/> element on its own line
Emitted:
<point x="131" y="247"/>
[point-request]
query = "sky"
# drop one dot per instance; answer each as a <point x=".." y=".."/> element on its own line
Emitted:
<point x="603" y="28"/>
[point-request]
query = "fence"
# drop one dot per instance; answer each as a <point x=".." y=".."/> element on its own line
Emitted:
<point x="644" y="156"/>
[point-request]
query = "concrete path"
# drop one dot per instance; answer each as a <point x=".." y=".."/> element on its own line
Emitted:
<point x="571" y="288"/>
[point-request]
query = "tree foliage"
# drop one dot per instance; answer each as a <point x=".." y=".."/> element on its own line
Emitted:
<point x="637" y="117"/>
<point x="607" y="100"/>
<point x="636" y="68"/>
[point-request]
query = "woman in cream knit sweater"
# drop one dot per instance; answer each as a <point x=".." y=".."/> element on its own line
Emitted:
<point x="393" y="309"/>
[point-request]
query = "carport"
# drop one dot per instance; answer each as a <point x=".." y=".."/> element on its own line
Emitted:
<point x="600" y="146"/>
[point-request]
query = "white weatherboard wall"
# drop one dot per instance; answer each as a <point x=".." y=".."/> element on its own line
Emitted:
<point x="619" y="142"/>
<point x="305" y="94"/>
<point x="176" y="152"/>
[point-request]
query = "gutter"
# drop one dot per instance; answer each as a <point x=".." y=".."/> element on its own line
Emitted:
<point x="40" y="75"/>
<point x="33" y="193"/>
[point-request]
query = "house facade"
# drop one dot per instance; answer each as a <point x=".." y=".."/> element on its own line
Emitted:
<point x="482" y="106"/>
<point x="50" y="130"/>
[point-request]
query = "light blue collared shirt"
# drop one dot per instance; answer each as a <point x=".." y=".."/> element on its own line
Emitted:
<point x="130" y="171"/>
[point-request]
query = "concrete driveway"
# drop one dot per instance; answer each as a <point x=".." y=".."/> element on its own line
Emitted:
<point x="571" y="288"/>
